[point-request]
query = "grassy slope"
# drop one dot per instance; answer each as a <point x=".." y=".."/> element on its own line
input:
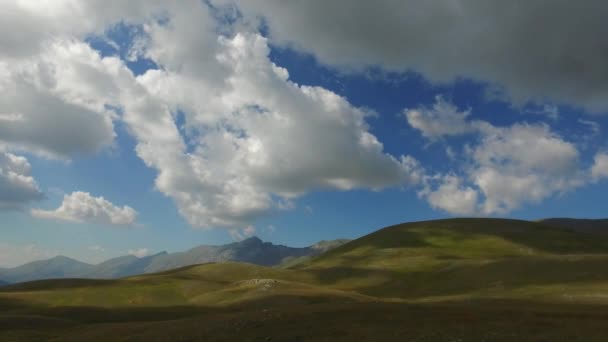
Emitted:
<point x="459" y="262"/>
<point x="414" y="261"/>
<point x="469" y="257"/>
<point x="204" y="285"/>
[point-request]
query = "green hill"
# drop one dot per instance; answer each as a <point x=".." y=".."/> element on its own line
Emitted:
<point x="480" y="273"/>
<point x="469" y="257"/>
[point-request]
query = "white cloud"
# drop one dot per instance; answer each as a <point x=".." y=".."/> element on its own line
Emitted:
<point x="55" y="104"/>
<point x="12" y="255"/>
<point x="56" y="89"/>
<point x="442" y="119"/>
<point x="551" y="111"/>
<point x="17" y="186"/>
<point x="83" y="208"/>
<point x="508" y="167"/>
<point x="599" y="170"/>
<point x="241" y="234"/>
<point x="451" y="196"/>
<point x="253" y="140"/>
<point x="139" y="252"/>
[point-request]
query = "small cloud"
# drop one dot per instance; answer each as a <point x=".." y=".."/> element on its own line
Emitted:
<point x="270" y="229"/>
<point x="285" y="204"/>
<point x="309" y="210"/>
<point x="593" y="126"/>
<point x="140" y="253"/>
<point x="241" y="234"/>
<point x="549" y="110"/>
<point x="249" y="231"/>
<point x="81" y="207"/>
<point x="440" y="120"/>
<point x="97" y="249"/>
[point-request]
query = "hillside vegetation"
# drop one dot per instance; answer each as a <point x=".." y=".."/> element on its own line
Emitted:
<point x="486" y="272"/>
<point x="469" y="257"/>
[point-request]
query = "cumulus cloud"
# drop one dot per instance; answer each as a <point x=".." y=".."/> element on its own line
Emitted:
<point x="55" y="104"/>
<point x="81" y="207"/>
<point x="523" y="163"/>
<point x="56" y="89"/>
<point x="451" y="195"/>
<point x="534" y="49"/>
<point x="17" y="186"/>
<point x="506" y="168"/>
<point x="253" y="140"/>
<point x="599" y="169"/>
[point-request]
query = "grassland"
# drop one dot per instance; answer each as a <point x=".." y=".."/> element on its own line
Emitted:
<point x="460" y="279"/>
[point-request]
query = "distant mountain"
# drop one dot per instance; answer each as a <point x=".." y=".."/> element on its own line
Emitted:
<point x="578" y="224"/>
<point x="57" y="267"/>
<point x="252" y="250"/>
<point x="122" y="266"/>
<point x="2" y="283"/>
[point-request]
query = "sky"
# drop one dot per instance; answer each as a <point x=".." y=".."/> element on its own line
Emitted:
<point x="145" y="126"/>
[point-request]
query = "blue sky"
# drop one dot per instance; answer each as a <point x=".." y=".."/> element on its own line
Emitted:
<point x="158" y="128"/>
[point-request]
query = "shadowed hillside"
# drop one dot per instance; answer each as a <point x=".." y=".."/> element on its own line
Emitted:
<point x="590" y="225"/>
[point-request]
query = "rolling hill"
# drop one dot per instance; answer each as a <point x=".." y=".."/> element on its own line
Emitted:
<point x="251" y="250"/>
<point x="469" y="258"/>
<point x="597" y="225"/>
<point x="473" y="279"/>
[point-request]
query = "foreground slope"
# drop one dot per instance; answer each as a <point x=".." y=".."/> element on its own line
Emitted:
<point x="211" y="285"/>
<point x="468" y="279"/>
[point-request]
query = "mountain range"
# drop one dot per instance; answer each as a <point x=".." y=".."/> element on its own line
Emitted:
<point x="251" y="250"/>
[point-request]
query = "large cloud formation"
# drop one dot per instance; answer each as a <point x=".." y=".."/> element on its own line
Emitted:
<point x="535" y="49"/>
<point x="252" y="139"/>
<point x="233" y="138"/>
